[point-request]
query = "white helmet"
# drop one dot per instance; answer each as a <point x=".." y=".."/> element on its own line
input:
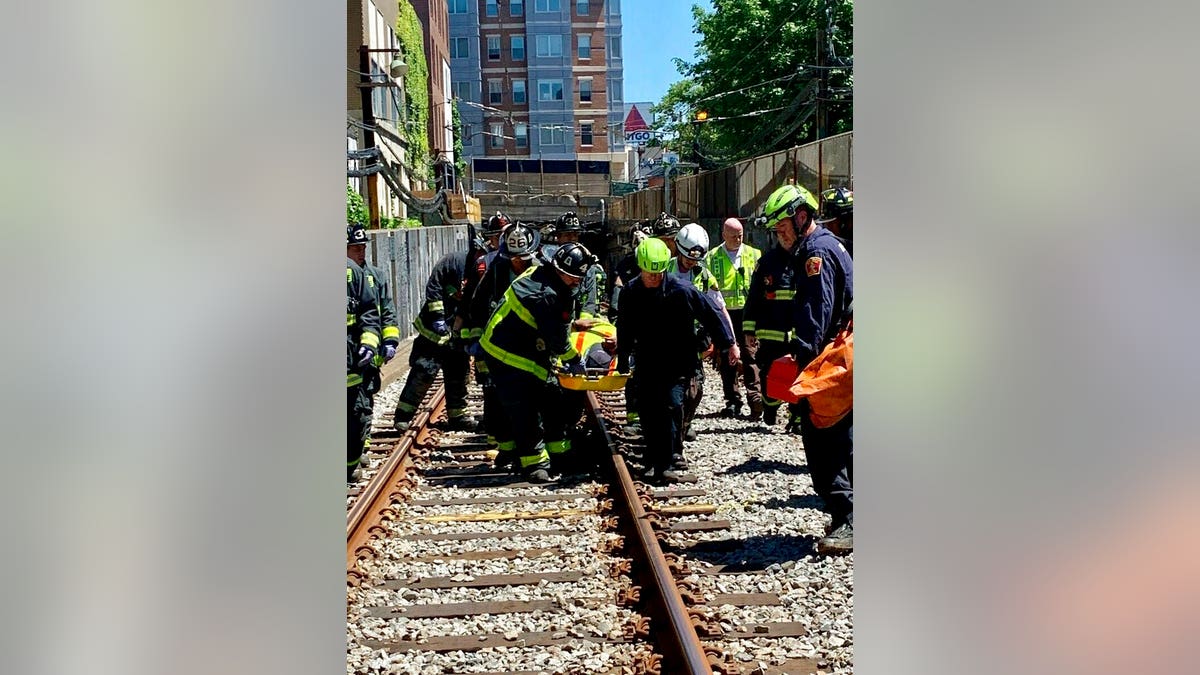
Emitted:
<point x="692" y="241"/>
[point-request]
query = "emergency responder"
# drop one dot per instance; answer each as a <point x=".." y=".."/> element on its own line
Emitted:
<point x="356" y="250"/>
<point x="587" y="306"/>
<point x="362" y="342"/>
<point x="769" y="317"/>
<point x="822" y="285"/>
<point x="492" y="229"/>
<point x="664" y="227"/>
<point x="733" y="265"/>
<point x="656" y="326"/>
<point x="518" y="247"/>
<point x="523" y="339"/>
<point x="597" y="345"/>
<point x="691" y="244"/>
<point x="432" y="349"/>
<point x="627" y="270"/>
<point x="837" y="215"/>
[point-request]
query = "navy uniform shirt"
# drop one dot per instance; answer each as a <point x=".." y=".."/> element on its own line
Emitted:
<point x="824" y="292"/>
<point x="657" y="326"/>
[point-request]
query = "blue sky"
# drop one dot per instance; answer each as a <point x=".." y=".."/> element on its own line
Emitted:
<point x="655" y="31"/>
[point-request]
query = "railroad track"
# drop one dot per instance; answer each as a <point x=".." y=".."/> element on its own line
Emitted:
<point x="453" y="567"/>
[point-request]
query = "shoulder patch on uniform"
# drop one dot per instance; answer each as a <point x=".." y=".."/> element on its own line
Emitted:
<point x="812" y="266"/>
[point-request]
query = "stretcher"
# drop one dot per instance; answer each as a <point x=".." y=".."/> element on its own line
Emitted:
<point x="593" y="379"/>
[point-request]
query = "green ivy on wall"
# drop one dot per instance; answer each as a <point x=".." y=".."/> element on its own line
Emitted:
<point x="356" y="209"/>
<point x="460" y="164"/>
<point x="416" y="93"/>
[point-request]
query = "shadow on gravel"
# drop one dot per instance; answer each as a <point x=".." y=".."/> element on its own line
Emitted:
<point x="795" y="502"/>
<point x="752" y="554"/>
<point x="744" y="427"/>
<point x="756" y="465"/>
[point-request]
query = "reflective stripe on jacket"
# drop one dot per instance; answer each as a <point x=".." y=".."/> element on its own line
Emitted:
<point x="734" y="282"/>
<point x="528" y="330"/>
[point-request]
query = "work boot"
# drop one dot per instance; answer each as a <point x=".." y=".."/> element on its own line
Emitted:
<point x="402" y="421"/>
<point x="732" y="410"/>
<point x="837" y="542"/>
<point x="462" y="423"/>
<point x="651" y="474"/>
<point x="538" y="473"/>
<point x="770" y="415"/>
<point x="506" y="460"/>
<point x="793" y="426"/>
<point x="675" y="472"/>
<point x="756" y="409"/>
<point x="689" y="434"/>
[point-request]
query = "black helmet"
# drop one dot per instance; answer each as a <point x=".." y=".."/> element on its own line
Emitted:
<point x="837" y="203"/>
<point x="568" y="222"/>
<point x="573" y="260"/>
<point x="495" y="225"/>
<point x="520" y="241"/>
<point x="355" y="234"/>
<point x="665" y="225"/>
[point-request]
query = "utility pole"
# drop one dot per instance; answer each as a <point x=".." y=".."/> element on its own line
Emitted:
<point x="823" y="72"/>
<point x="368" y="115"/>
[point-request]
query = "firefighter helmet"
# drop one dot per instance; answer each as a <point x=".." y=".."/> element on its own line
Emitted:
<point x="568" y="222"/>
<point x="520" y="241"/>
<point x="665" y="225"/>
<point x="692" y="241"/>
<point x="573" y="259"/>
<point x="653" y="256"/>
<point x="355" y="234"/>
<point x="836" y="203"/>
<point x="495" y="225"/>
<point x="786" y="201"/>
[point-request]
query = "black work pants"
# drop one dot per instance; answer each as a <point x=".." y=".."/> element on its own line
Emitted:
<point x="746" y="367"/>
<point x="358" y="425"/>
<point x="533" y="408"/>
<point x="830" y="455"/>
<point x="424" y="362"/>
<point x="661" y="398"/>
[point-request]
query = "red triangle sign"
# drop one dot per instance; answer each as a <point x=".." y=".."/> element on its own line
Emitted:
<point x="634" y="121"/>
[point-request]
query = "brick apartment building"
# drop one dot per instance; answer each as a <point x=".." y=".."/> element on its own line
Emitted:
<point x="539" y="85"/>
<point x="436" y="21"/>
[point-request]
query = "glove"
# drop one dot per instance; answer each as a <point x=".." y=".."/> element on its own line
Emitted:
<point x="475" y="349"/>
<point x="440" y="327"/>
<point x="575" y="366"/>
<point x="365" y="354"/>
<point x="389" y="352"/>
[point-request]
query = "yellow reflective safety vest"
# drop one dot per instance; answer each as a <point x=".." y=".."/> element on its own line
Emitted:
<point x="584" y="340"/>
<point x="529" y="329"/>
<point x="734" y="282"/>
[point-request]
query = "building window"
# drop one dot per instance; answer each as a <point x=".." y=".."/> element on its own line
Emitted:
<point x="585" y="90"/>
<point x="581" y="7"/>
<point x="614" y="47"/>
<point x="584" y="42"/>
<point x="518" y="47"/>
<point x="460" y="48"/>
<point x="614" y="6"/>
<point x="466" y="134"/>
<point x="493" y="43"/>
<point x="518" y="91"/>
<point x="457" y="6"/>
<point x="495" y="94"/>
<point x="550" y="90"/>
<point x="497" y="135"/>
<point x="614" y="90"/>
<point x="549" y="45"/>
<point x="521" y="131"/>
<point x="546" y="6"/>
<point x="516" y="8"/>
<point x="463" y="91"/>
<point x="491" y="8"/>
<point x="585" y="133"/>
<point x="551" y="134"/>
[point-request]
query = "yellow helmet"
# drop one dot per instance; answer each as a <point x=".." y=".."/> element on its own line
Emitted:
<point x="785" y="202"/>
<point x="653" y="255"/>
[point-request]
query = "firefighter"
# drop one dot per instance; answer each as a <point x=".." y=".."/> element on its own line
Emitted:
<point x="356" y="250"/>
<point x="433" y="348"/>
<point x="597" y="346"/>
<point x="524" y="338"/>
<point x="837" y="215"/>
<point x="587" y="306"/>
<point x="733" y="265"/>
<point x="691" y="245"/>
<point x="627" y="270"/>
<point x="518" y="247"/>
<point x="656" y="326"/>
<point x="362" y="342"/>
<point x="664" y="227"/>
<point x="493" y="228"/>
<point x="821" y="280"/>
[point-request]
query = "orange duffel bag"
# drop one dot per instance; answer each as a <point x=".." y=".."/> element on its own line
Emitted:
<point x="827" y="382"/>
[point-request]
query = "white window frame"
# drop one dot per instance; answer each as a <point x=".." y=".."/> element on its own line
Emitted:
<point x="495" y="92"/>
<point x="521" y="133"/>
<point x="590" y="91"/>
<point x="516" y="8"/>
<point x="491" y="8"/>
<point x="458" y="90"/>
<point x="545" y="45"/>
<point x="524" y="91"/>
<point x="550" y="84"/>
<point x="544" y="6"/>
<point x="615" y="91"/>
<point x="591" y="131"/>
<point x="555" y="132"/>
<point x="462" y="4"/>
<point x="582" y="4"/>
<point x="614" y="46"/>
<point x="456" y="52"/>
<point x="494" y="39"/>
<point x="496" y="134"/>
<point x="512" y="47"/>
<point x="583" y="41"/>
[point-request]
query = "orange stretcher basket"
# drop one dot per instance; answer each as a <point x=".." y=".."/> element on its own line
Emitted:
<point x="594" y="379"/>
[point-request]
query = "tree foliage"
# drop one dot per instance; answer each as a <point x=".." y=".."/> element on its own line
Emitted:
<point x="745" y="44"/>
<point x="356" y="208"/>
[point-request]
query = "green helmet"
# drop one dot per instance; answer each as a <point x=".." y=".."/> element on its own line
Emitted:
<point x="786" y="201"/>
<point x="653" y="255"/>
